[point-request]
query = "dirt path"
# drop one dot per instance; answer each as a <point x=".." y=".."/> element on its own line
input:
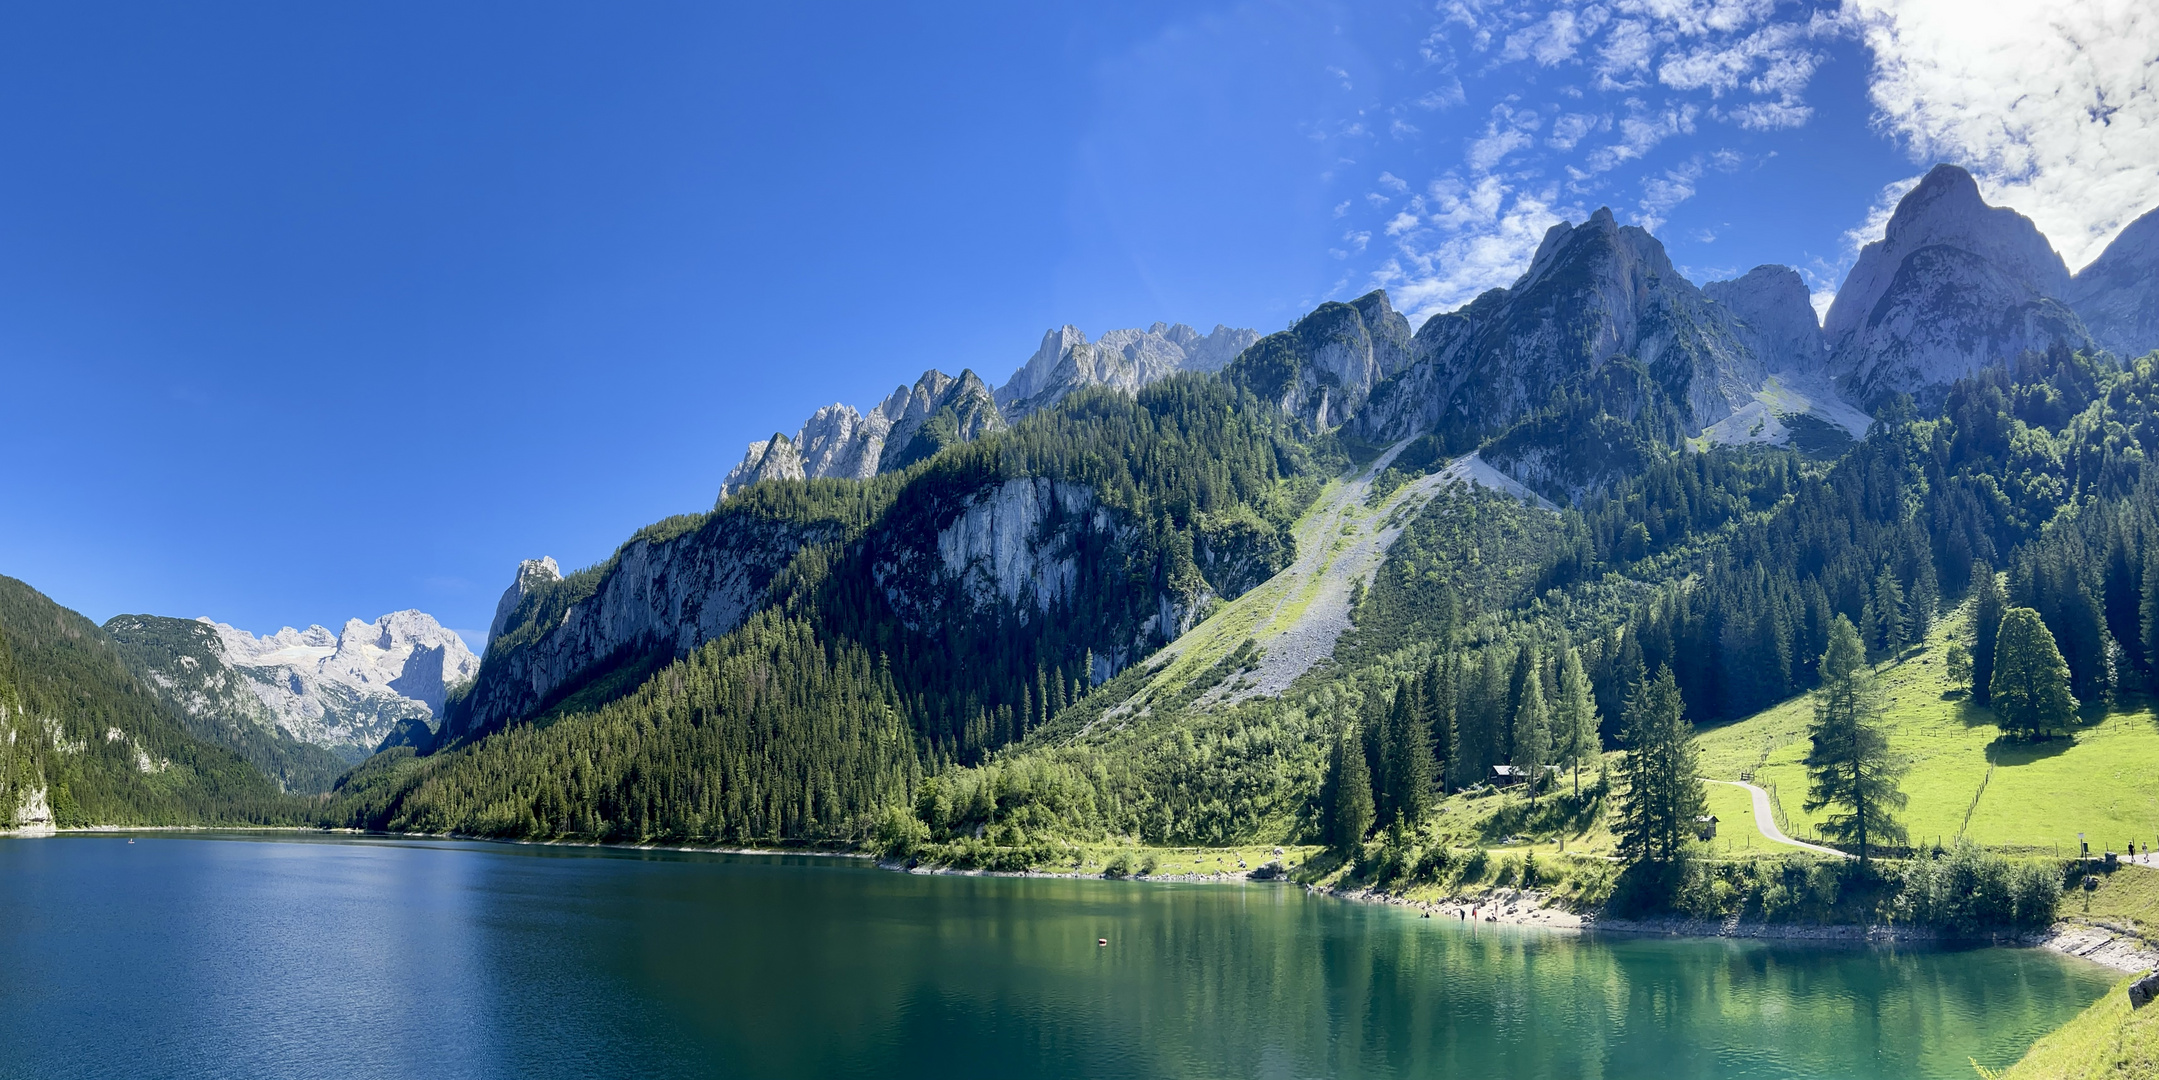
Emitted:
<point x="1766" y="820"/>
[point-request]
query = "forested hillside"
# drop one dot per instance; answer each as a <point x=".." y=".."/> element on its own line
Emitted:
<point x="87" y="743"/>
<point x="923" y="619"/>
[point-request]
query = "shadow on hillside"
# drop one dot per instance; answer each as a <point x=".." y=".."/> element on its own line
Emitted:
<point x="2009" y="752"/>
<point x="1555" y="812"/>
<point x="1973" y="714"/>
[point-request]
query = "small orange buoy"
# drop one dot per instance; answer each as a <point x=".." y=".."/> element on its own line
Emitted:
<point x="1101" y="941"/>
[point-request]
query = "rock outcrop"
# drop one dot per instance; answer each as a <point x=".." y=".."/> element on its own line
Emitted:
<point x="1123" y="359"/>
<point x="1323" y="369"/>
<point x="1952" y="286"/>
<point x="2117" y="296"/>
<point x="912" y="423"/>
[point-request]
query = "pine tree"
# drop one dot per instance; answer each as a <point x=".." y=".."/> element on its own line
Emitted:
<point x="1532" y="735"/>
<point x="1575" y="715"/>
<point x="1889" y="613"/>
<point x="1851" y="765"/>
<point x="2149" y="610"/>
<point x="1926" y="599"/>
<point x="1663" y="796"/>
<point x="2030" y="691"/>
<point x="1409" y="751"/>
<point x="1348" y="805"/>
<point x="1988" y="603"/>
<point x="1437" y="694"/>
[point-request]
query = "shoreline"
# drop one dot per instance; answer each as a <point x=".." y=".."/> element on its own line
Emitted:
<point x="2114" y="947"/>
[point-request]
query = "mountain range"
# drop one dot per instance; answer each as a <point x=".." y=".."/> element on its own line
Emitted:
<point x="1162" y="527"/>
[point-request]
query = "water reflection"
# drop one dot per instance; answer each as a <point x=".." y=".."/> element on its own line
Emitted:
<point x="185" y="957"/>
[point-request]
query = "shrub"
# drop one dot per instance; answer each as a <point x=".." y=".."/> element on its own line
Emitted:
<point x="1119" y="866"/>
<point x="1965" y="890"/>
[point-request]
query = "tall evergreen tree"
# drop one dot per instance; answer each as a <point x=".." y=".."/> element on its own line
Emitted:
<point x="1988" y="603"/>
<point x="1409" y="751"/>
<point x="1532" y="734"/>
<point x="1439" y="705"/>
<point x="2030" y="691"/>
<point x="2149" y="610"/>
<point x="1575" y="715"/>
<point x="1348" y="804"/>
<point x="1663" y="796"/>
<point x="1850" y="765"/>
<point x="1926" y="598"/>
<point x="1889" y="618"/>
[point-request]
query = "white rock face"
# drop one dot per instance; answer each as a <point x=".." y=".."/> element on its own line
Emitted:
<point x="1016" y="549"/>
<point x="1952" y="286"/>
<point x="1122" y="359"/>
<point x="2117" y="296"/>
<point x="347" y="690"/>
<point x="838" y="442"/>
<point x="1772" y="316"/>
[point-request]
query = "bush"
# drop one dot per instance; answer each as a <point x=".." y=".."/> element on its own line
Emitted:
<point x="900" y="833"/>
<point x="1431" y="863"/>
<point x="1966" y="890"/>
<point x="1118" y="867"/>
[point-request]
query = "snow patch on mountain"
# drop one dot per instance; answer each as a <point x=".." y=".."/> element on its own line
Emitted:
<point x="346" y="690"/>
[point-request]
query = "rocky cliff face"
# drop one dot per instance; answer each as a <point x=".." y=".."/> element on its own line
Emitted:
<point x="1952" y="286"/>
<point x="993" y="553"/>
<point x="1593" y="294"/>
<point x="340" y="691"/>
<point x="1123" y="360"/>
<point x="658" y="596"/>
<point x="2117" y="296"/>
<point x="1773" y="318"/>
<point x="1323" y="369"/>
<point x="909" y="425"/>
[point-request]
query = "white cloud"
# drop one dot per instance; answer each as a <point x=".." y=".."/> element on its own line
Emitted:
<point x="1552" y="41"/>
<point x="2053" y="107"/>
<point x="1509" y="130"/>
<point x="1394" y="183"/>
<point x="1476" y="236"/>
<point x="1661" y="193"/>
<point x="1640" y="133"/>
<point x="1341" y="208"/>
<point x="1571" y="127"/>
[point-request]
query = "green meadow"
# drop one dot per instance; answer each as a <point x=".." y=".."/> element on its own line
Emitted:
<point x="2101" y="779"/>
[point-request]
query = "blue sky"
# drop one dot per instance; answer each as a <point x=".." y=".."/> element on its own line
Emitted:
<point x="309" y="313"/>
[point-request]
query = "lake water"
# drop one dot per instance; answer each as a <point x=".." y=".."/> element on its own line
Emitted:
<point x="206" y="957"/>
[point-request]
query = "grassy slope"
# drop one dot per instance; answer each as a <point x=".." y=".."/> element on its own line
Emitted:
<point x="2105" y="1042"/>
<point x="2023" y="798"/>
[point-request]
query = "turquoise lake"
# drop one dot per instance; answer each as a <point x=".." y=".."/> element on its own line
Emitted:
<point x="200" y="956"/>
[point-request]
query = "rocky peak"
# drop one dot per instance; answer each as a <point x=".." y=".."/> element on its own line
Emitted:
<point x="1121" y="359"/>
<point x="1323" y="369"/>
<point x="532" y="575"/>
<point x="1593" y="292"/>
<point x="841" y="443"/>
<point x="1773" y="316"/>
<point x="1952" y="286"/>
<point x="2117" y="296"/>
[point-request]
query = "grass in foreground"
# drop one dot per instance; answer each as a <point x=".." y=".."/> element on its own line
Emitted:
<point x="2108" y="1041"/>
